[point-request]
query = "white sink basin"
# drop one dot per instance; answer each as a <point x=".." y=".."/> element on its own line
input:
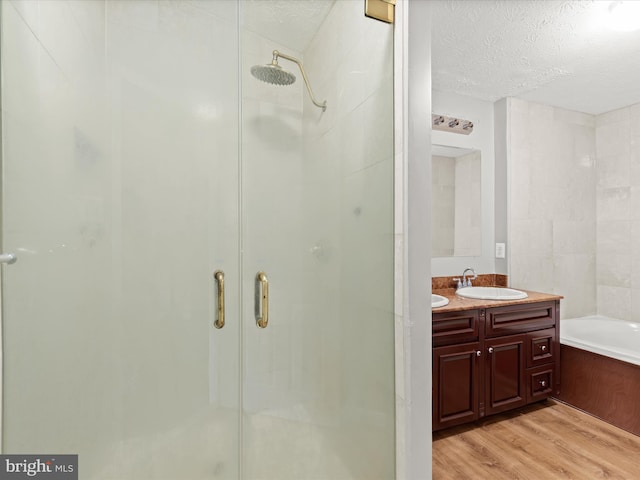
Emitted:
<point x="491" y="293"/>
<point x="438" y="301"/>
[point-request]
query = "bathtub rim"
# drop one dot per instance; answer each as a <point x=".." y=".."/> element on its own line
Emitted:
<point x="621" y="354"/>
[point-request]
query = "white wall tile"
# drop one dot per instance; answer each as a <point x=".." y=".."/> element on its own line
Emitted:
<point x="573" y="276"/>
<point x="634" y="230"/>
<point x="634" y="112"/>
<point x="613" y="203"/>
<point x="613" y="270"/>
<point x="532" y="272"/>
<point x="613" y="237"/>
<point x="614" y="170"/>
<point x="612" y="138"/>
<point x="612" y="117"/>
<point x="574" y="237"/>
<point x="574" y="118"/>
<point x="552" y="203"/>
<point x="634" y="165"/>
<point x="634" y="265"/>
<point x="635" y="304"/>
<point x="614" y="302"/>
<point x="596" y="224"/>
<point x="29" y="11"/>
<point x="618" y="218"/>
<point x="356" y="133"/>
<point x="532" y="237"/>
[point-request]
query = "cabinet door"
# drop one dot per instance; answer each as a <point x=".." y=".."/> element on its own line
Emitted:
<point x="505" y="373"/>
<point x="456" y="380"/>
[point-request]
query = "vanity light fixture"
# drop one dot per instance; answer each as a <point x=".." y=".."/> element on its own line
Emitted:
<point x="451" y="124"/>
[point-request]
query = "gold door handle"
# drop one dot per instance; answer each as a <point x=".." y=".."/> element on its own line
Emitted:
<point x="219" y="276"/>
<point x="262" y="300"/>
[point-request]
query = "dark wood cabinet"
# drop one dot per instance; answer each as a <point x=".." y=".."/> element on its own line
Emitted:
<point x="490" y="360"/>
<point x="456" y="384"/>
<point x="505" y="373"/>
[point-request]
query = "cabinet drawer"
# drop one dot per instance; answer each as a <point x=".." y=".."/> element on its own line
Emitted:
<point x="519" y="318"/>
<point x="541" y="346"/>
<point x="540" y="382"/>
<point x="455" y="327"/>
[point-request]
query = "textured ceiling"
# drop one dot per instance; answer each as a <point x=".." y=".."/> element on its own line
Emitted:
<point x="555" y="52"/>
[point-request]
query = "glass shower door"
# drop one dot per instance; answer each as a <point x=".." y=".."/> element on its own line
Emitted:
<point x="131" y="175"/>
<point x="317" y="197"/>
<point x="120" y="200"/>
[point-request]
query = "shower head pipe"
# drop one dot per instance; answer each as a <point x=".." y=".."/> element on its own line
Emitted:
<point x="277" y="54"/>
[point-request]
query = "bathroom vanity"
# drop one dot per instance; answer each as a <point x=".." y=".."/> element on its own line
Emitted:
<point x="492" y="356"/>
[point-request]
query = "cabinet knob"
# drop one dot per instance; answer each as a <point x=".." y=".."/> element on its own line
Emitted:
<point x="478" y="353"/>
<point x="490" y="349"/>
<point x="543" y="383"/>
<point x="543" y="348"/>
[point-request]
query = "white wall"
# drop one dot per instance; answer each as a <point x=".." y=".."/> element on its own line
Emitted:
<point x="482" y="138"/>
<point x="413" y="240"/>
<point x="552" y="207"/>
<point x="501" y="201"/>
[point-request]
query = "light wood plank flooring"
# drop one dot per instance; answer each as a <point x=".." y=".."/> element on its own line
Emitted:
<point x="545" y="441"/>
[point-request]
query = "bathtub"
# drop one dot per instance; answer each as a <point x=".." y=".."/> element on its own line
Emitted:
<point x="613" y="338"/>
<point x="600" y="369"/>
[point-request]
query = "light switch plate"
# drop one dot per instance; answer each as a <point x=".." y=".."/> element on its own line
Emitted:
<point x="500" y="250"/>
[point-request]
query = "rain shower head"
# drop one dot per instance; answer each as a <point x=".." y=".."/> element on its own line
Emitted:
<point x="273" y="73"/>
<point x="276" y="75"/>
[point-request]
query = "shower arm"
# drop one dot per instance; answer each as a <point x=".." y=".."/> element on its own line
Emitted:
<point x="277" y="54"/>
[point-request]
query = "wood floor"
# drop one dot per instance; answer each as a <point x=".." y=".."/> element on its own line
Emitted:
<point x="545" y="441"/>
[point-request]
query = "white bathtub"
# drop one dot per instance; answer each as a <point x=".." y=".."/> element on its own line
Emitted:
<point x="606" y="336"/>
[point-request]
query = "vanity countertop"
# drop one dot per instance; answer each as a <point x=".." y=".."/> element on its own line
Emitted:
<point x="457" y="303"/>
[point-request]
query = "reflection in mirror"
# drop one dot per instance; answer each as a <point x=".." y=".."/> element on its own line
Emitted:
<point x="455" y="202"/>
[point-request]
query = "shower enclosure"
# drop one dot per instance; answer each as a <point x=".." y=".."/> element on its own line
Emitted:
<point x="140" y="157"/>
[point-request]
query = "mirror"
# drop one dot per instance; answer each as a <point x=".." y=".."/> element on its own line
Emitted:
<point x="456" y="202"/>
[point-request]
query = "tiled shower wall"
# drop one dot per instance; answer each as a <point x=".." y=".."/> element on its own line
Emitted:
<point x="618" y="212"/>
<point x="348" y="162"/>
<point x="575" y="207"/>
<point x="552" y="207"/>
